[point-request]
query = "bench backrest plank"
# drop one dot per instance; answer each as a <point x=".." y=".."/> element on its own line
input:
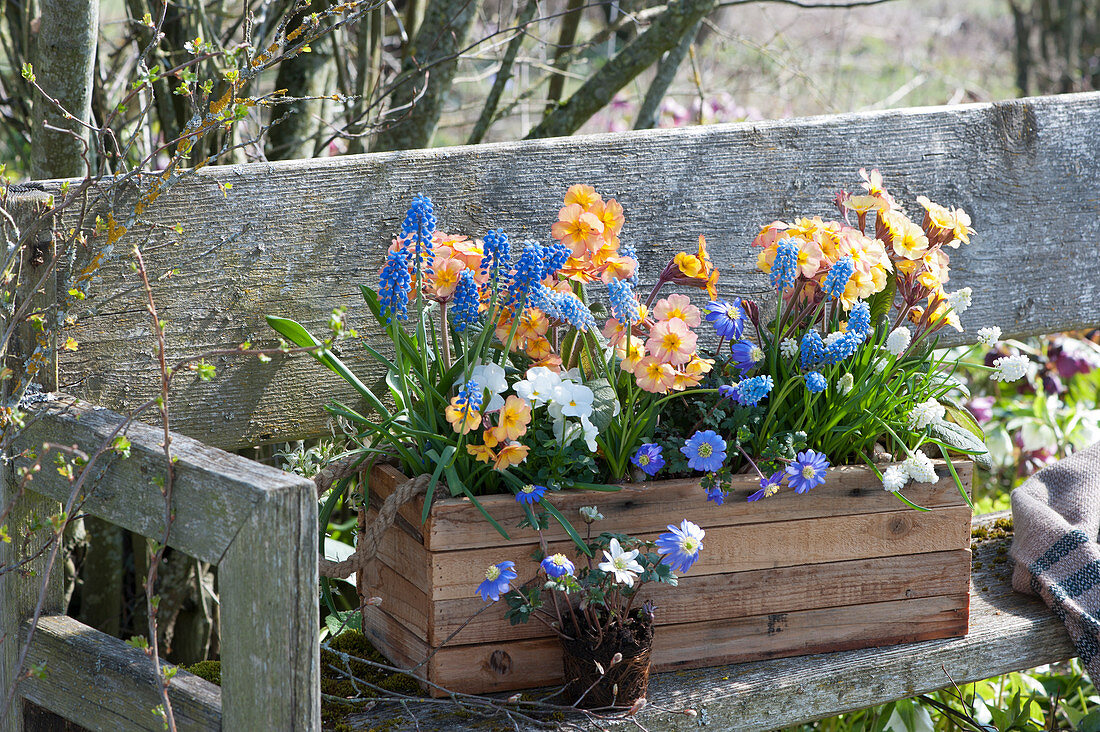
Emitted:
<point x="297" y="238"/>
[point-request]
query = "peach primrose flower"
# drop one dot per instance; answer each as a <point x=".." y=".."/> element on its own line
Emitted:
<point x="583" y="195"/>
<point x="618" y="268"/>
<point x="462" y="419"/>
<point x="809" y="259"/>
<point x="654" y="376"/>
<point x="511" y="454"/>
<point x="678" y="306"/>
<point x="481" y="453"/>
<point x="770" y="235"/>
<point x="631" y="353"/>
<point x="610" y="214"/>
<point x="698" y="270"/>
<point x="515" y="415"/>
<point x="577" y="229"/>
<point x="538" y="348"/>
<point x="444" y="277"/>
<point x="672" y="342"/>
<point x="533" y="324"/>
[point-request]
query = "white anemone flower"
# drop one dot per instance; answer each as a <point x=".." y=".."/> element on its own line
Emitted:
<point x="621" y="564"/>
<point x="490" y="376"/>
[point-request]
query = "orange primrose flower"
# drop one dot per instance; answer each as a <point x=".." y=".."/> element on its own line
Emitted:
<point x="583" y="195"/>
<point x="577" y="229"/>
<point x="511" y="454"/>
<point x="654" y="376"/>
<point x="462" y="418"/>
<point x="482" y="453"/>
<point x="515" y="415"/>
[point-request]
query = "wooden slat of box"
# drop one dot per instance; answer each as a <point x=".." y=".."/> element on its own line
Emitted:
<point x="455" y="523"/>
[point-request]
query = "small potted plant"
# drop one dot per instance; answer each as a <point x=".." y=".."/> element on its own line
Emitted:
<point x="592" y="605"/>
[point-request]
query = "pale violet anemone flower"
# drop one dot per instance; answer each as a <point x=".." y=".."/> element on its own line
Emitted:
<point x="680" y="546"/>
<point x="574" y="399"/>
<point x="491" y="378"/>
<point x="538" y="387"/>
<point x="621" y="564"/>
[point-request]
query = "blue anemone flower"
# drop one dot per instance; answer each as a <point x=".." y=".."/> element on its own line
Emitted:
<point x="648" y="458"/>
<point x="807" y="471"/>
<point x="680" y="545"/>
<point x="705" y="451"/>
<point x="746" y="354"/>
<point x="530" y="494"/>
<point x="728" y="318"/>
<point x="557" y="566"/>
<point x="716" y="494"/>
<point x="497" y="577"/>
<point x="769" y="486"/>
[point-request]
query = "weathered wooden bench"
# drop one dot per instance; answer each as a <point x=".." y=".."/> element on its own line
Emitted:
<point x="297" y="238"/>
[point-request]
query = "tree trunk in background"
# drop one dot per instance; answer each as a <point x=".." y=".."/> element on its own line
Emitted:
<point x="1057" y="45"/>
<point x="305" y="75"/>
<point x="649" y="114"/>
<point x="104" y="570"/>
<point x="434" y="49"/>
<point x="64" y="62"/>
<point x="662" y="35"/>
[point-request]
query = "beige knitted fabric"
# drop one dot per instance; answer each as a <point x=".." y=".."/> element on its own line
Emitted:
<point x="1056" y="517"/>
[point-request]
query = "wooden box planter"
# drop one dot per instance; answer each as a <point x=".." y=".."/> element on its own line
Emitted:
<point x="844" y="566"/>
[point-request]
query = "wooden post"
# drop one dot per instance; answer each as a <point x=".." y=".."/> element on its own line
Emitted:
<point x="20" y="588"/>
<point x="270" y="617"/>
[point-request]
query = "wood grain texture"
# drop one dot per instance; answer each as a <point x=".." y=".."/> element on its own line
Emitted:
<point x="453" y="575"/>
<point x="105" y="685"/>
<point x="720" y="596"/>
<point x="21" y="589"/>
<point x="455" y="523"/>
<point x="521" y="664"/>
<point x="270" y="616"/>
<point x="298" y="238"/>
<point x="1008" y="632"/>
<point x="214" y="493"/>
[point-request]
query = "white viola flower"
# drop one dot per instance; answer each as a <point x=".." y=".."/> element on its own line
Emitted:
<point x="1037" y="436"/>
<point x="919" y="467"/>
<point x="538" y="387"/>
<point x="894" y="479"/>
<point x="1011" y="368"/>
<point x="788" y="348"/>
<point x="590" y="432"/>
<point x="898" y="340"/>
<point x="926" y="413"/>
<point x="490" y="376"/>
<point x="845" y="384"/>
<point x="989" y="336"/>
<point x="621" y="564"/>
<point x="575" y="399"/>
<point x="558" y="420"/>
<point x="960" y="300"/>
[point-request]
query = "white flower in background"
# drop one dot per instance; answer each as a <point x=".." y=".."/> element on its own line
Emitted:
<point x="1087" y="430"/>
<point x="925" y="414"/>
<point x="880" y="365"/>
<point x="898" y="340"/>
<point x="621" y="564"/>
<point x="490" y="376"/>
<point x="788" y="347"/>
<point x="845" y="383"/>
<point x="538" y="387"/>
<point x="575" y="399"/>
<point x="919" y="467"/>
<point x="1001" y="450"/>
<point x="894" y="479"/>
<point x="1011" y="368"/>
<point x="1037" y="436"/>
<point x="989" y="336"/>
<point x="960" y="300"/>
